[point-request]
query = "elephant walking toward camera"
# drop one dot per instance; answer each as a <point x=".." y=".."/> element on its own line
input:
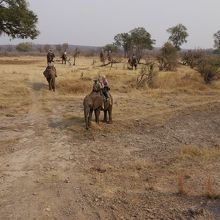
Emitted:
<point x="97" y="103"/>
<point x="133" y="62"/>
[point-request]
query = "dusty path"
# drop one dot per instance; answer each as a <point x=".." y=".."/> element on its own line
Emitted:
<point x="51" y="168"/>
<point x="35" y="175"/>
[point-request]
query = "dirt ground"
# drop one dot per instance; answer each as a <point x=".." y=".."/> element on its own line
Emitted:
<point x="160" y="159"/>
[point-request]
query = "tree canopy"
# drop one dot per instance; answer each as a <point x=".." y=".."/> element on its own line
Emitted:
<point x="110" y="47"/>
<point x="123" y="40"/>
<point x="217" y="39"/>
<point x="16" y="20"/>
<point x="178" y="35"/>
<point x="167" y="57"/>
<point x="140" y="38"/>
<point x="135" y="40"/>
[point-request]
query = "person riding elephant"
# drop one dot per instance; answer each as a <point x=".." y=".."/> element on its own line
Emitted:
<point x="96" y="102"/>
<point x="50" y="74"/>
<point x="133" y="61"/>
<point x="50" y="56"/>
<point x="64" y="57"/>
<point x="104" y="86"/>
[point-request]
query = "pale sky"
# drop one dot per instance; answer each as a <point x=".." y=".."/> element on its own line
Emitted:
<point x="96" y="22"/>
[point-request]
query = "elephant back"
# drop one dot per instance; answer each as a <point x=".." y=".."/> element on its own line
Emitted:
<point x="50" y="71"/>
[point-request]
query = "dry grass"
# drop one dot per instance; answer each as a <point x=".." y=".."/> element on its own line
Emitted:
<point x="18" y="84"/>
<point x="183" y="187"/>
<point x="183" y="78"/>
<point x="76" y="86"/>
<point x="195" y="152"/>
<point x="210" y="190"/>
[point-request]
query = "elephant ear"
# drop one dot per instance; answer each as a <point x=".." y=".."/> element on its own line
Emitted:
<point x="46" y="73"/>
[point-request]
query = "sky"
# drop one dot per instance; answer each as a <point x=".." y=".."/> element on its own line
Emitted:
<point x="96" y="22"/>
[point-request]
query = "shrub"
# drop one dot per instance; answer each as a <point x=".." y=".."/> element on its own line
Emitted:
<point x="24" y="47"/>
<point x="167" y="57"/>
<point x="192" y="57"/>
<point x="208" y="67"/>
<point x="146" y="76"/>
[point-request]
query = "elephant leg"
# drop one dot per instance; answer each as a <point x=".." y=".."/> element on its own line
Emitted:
<point x="97" y="113"/>
<point x="53" y="84"/>
<point x="90" y="117"/>
<point x="105" y="116"/>
<point x="48" y="80"/>
<point x="110" y="115"/>
<point x="86" y="116"/>
<point x="49" y="84"/>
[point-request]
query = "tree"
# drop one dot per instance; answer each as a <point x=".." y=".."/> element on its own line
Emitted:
<point x="75" y="55"/>
<point x="110" y="47"/>
<point x="140" y="40"/>
<point x="135" y="41"/>
<point x="123" y="40"/>
<point x="59" y="48"/>
<point x="16" y="20"/>
<point x="178" y="35"/>
<point x="47" y="47"/>
<point x="168" y="57"/>
<point x="217" y="40"/>
<point x="24" y="47"/>
<point x="65" y="46"/>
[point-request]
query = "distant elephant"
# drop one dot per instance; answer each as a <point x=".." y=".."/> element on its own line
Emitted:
<point x="96" y="102"/>
<point x="50" y="75"/>
<point x="64" y="58"/>
<point x="133" y="62"/>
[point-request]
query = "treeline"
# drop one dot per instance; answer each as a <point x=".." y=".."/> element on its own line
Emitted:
<point x="28" y="48"/>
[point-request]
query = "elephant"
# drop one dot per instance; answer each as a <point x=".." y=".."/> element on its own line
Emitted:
<point x="96" y="102"/>
<point x="64" y="58"/>
<point x="50" y="75"/>
<point x="133" y="62"/>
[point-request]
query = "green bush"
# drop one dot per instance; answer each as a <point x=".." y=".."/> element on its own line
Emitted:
<point x="24" y="47"/>
<point x="209" y="68"/>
